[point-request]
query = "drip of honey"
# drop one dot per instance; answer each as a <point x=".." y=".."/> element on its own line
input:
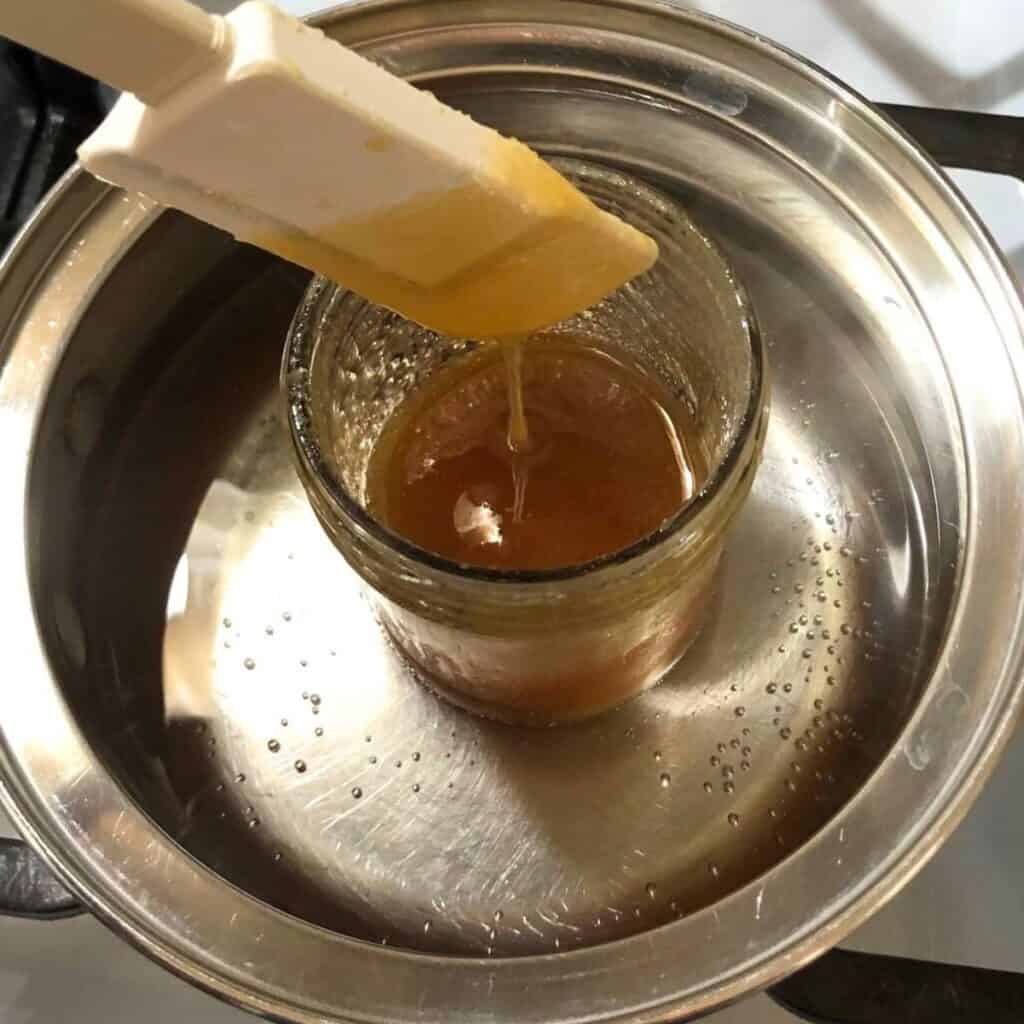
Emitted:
<point x="540" y="462"/>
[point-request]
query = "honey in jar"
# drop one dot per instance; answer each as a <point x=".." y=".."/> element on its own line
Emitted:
<point x="532" y="455"/>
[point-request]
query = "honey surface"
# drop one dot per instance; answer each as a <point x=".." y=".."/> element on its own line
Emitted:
<point x="598" y="459"/>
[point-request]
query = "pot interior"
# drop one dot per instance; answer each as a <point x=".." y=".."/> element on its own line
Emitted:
<point x="218" y="655"/>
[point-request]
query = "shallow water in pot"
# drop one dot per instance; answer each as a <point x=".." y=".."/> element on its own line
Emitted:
<point x="239" y="687"/>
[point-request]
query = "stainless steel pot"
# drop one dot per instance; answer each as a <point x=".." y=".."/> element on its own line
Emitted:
<point x="170" y="602"/>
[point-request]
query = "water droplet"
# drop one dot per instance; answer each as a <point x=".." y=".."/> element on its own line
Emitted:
<point x="318" y="731"/>
<point x="277" y="855"/>
<point x="426" y="927"/>
<point x="227" y="623"/>
<point x="416" y="755"/>
<point x="734" y="820"/>
<point x="357" y="792"/>
<point x="714" y="760"/>
<point x="284" y="722"/>
<point x="708" y="788"/>
<point x="713" y="870"/>
<point x="314" y="699"/>
<point x="657" y="755"/>
<point x="744" y="766"/>
<point x="729" y="787"/>
<point x="240" y="778"/>
<point x="652" y="890"/>
<point x="249" y="663"/>
<point x="254" y="823"/>
<point x="771" y="688"/>
<point x="287" y="616"/>
<point x="786" y="733"/>
<point x="273" y="746"/>
<point x="740" y="711"/>
<point x="415" y="787"/>
<point x="300" y="766"/>
<point x="498" y="915"/>
<point x="269" y="630"/>
<point x="368" y="739"/>
<point x="665" y="779"/>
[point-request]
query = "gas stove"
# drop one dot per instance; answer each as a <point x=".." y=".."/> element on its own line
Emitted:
<point x="967" y="906"/>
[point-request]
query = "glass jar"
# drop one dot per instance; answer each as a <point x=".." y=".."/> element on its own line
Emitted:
<point x="551" y="645"/>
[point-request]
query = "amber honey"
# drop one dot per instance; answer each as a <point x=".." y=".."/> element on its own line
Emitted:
<point x="534" y="455"/>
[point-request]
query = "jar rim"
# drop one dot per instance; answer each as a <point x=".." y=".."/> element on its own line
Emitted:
<point x="298" y="356"/>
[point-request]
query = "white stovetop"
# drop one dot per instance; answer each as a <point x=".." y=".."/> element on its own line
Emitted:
<point x="968" y="904"/>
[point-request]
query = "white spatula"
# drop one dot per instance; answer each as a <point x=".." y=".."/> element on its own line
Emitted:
<point x="262" y="126"/>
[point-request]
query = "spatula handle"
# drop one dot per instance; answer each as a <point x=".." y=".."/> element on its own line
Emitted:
<point x="148" y="47"/>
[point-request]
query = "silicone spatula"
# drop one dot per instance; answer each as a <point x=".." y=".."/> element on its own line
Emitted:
<point x="262" y="126"/>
